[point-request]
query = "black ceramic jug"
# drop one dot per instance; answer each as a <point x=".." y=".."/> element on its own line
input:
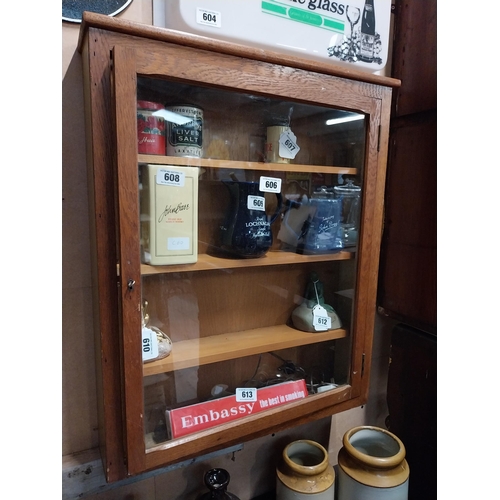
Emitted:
<point x="247" y="229"/>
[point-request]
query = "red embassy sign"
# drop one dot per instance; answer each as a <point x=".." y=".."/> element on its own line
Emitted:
<point x="209" y="414"/>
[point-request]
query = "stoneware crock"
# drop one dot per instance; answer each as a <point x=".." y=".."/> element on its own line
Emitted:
<point x="305" y="473"/>
<point x="372" y="466"/>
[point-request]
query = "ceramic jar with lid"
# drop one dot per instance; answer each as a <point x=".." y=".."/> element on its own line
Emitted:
<point x="372" y="465"/>
<point x="305" y="473"/>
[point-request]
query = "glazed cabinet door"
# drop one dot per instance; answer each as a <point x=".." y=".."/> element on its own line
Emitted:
<point x="248" y="215"/>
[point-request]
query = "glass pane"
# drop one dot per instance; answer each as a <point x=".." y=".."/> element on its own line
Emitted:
<point x="249" y="208"/>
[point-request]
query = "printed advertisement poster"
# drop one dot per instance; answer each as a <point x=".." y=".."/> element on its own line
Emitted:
<point x="209" y="414"/>
<point x="354" y="33"/>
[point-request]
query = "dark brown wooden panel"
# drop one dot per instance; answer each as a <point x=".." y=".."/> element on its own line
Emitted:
<point x="407" y="279"/>
<point x="412" y="403"/>
<point x="407" y="282"/>
<point x="415" y="56"/>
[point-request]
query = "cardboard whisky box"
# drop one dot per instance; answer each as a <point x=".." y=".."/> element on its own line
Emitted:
<point x="169" y="214"/>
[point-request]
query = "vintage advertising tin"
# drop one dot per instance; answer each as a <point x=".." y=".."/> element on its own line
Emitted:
<point x="185" y="131"/>
<point x="169" y="214"/>
<point x="273" y="144"/>
<point x="150" y="128"/>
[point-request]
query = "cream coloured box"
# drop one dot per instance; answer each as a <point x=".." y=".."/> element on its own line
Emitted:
<point x="169" y="214"/>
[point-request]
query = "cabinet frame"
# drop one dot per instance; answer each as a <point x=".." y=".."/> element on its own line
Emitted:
<point x="114" y="53"/>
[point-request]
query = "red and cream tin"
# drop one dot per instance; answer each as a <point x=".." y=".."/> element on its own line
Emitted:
<point x="185" y="131"/>
<point x="150" y="128"/>
<point x="273" y="144"/>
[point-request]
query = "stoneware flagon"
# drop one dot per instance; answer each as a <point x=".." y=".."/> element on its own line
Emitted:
<point x="305" y="473"/>
<point x="372" y="465"/>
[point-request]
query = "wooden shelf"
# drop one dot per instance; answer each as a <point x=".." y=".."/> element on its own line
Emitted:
<point x="244" y="165"/>
<point x="275" y="258"/>
<point x="197" y="352"/>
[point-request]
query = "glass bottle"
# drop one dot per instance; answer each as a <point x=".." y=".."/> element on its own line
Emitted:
<point x="350" y="194"/>
<point x="217" y="480"/>
<point x="367" y="32"/>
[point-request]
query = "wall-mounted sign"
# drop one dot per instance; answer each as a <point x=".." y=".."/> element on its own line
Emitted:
<point x="353" y="33"/>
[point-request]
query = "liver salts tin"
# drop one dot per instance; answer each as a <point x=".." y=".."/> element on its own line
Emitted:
<point x="150" y="128"/>
<point x="185" y="131"/>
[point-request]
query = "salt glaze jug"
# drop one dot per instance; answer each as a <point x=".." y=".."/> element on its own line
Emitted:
<point x="372" y="465"/>
<point x="217" y="480"/>
<point x="305" y="473"/>
<point x="247" y="228"/>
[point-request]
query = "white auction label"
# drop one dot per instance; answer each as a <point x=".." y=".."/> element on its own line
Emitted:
<point x="208" y="17"/>
<point x="321" y="320"/>
<point x="246" y="394"/>
<point x="256" y="203"/>
<point x="169" y="177"/>
<point x="288" y="147"/>
<point x="270" y="185"/>
<point x="149" y="344"/>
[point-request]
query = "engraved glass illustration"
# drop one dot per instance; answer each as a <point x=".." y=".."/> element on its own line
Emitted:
<point x="353" y="14"/>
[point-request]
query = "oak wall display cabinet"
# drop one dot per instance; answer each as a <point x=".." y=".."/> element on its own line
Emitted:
<point x="244" y="245"/>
